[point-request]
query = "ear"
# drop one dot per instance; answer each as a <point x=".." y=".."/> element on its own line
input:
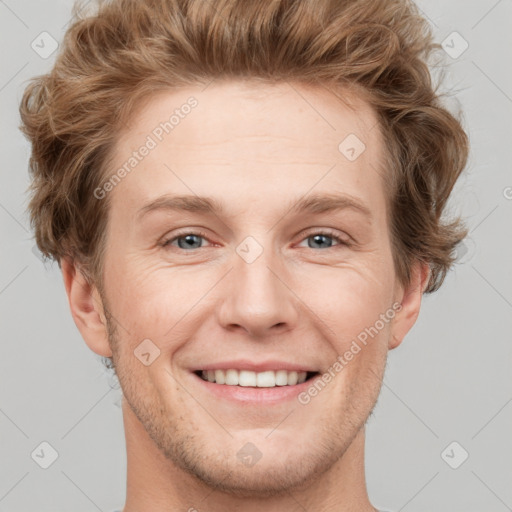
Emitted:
<point x="410" y="298"/>
<point x="86" y="308"/>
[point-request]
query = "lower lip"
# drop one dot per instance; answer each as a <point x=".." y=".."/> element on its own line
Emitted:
<point x="253" y="395"/>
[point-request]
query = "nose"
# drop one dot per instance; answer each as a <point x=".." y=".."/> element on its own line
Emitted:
<point x="257" y="298"/>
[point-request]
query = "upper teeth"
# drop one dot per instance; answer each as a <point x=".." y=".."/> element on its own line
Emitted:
<point x="267" y="379"/>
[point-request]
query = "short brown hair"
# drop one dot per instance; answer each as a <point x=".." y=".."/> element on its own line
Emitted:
<point x="131" y="49"/>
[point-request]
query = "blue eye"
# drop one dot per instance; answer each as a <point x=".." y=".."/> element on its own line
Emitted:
<point x="186" y="241"/>
<point x="318" y="240"/>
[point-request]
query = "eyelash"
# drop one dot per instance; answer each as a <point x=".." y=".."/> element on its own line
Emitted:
<point x="305" y="235"/>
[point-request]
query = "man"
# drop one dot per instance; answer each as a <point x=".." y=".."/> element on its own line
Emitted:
<point x="245" y="200"/>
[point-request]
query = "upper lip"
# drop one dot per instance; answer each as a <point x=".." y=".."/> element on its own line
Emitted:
<point x="244" y="364"/>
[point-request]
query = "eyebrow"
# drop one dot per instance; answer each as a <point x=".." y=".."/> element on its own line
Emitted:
<point x="313" y="203"/>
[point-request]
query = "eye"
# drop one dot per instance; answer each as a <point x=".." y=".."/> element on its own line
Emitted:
<point x="323" y="240"/>
<point x="188" y="240"/>
<point x="193" y="240"/>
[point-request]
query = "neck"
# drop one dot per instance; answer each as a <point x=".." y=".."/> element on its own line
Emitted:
<point x="154" y="482"/>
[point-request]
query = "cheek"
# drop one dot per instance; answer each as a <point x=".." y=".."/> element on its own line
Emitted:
<point x="154" y="302"/>
<point x="350" y="299"/>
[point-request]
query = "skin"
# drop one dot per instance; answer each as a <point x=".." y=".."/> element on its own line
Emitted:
<point x="256" y="149"/>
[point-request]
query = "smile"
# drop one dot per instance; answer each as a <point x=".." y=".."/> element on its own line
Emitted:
<point x="247" y="378"/>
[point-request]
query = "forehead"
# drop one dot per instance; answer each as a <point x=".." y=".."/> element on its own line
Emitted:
<point x="241" y="139"/>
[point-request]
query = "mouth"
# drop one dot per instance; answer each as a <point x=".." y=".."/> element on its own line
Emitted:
<point x="251" y="379"/>
<point x="252" y="383"/>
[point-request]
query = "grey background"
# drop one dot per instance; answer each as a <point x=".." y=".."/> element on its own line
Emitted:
<point x="449" y="380"/>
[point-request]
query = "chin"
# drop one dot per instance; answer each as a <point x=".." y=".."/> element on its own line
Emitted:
<point x="262" y="480"/>
<point x="281" y="468"/>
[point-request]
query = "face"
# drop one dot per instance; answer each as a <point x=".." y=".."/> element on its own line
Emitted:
<point x="278" y="260"/>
